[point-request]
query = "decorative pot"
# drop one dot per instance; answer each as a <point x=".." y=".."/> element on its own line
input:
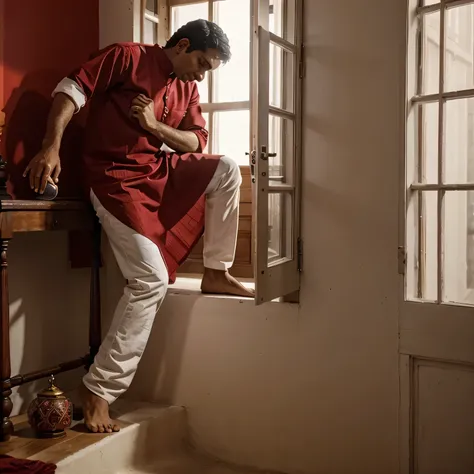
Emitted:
<point x="50" y="413"/>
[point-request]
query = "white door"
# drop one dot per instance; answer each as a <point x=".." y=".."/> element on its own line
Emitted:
<point x="276" y="144"/>
<point x="437" y="242"/>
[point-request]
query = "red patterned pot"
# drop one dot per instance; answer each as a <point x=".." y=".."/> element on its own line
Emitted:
<point x="50" y="413"/>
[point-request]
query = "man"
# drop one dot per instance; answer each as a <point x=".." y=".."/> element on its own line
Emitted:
<point x="151" y="203"/>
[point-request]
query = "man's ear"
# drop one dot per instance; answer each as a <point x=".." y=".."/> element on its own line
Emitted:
<point x="182" y="45"/>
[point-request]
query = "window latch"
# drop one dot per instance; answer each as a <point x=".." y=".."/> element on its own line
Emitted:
<point x="264" y="155"/>
<point x="252" y="155"/>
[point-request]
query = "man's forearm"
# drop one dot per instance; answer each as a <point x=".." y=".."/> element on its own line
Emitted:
<point x="60" y="115"/>
<point x="178" y="140"/>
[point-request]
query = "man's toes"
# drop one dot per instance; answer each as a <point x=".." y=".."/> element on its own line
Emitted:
<point x="116" y="428"/>
<point x="109" y="428"/>
<point x="101" y="429"/>
<point x="92" y="428"/>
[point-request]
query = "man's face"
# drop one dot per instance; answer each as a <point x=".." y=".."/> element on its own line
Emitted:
<point x="193" y="66"/>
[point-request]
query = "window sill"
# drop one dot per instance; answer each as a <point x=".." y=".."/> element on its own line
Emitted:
<point x="190" y="285"/>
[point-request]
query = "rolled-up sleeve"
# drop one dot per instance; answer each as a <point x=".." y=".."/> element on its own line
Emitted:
<point x="103" y="70"/>
<point x="194" y="121"/>
<point x="73" y="91"/>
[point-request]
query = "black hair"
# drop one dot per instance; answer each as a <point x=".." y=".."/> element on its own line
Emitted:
<point x="202" y="35"/>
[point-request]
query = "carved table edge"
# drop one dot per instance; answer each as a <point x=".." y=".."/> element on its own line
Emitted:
<point x="38" y="205"/>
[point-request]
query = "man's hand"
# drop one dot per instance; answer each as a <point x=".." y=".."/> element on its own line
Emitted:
<point x="143" y="109"/>
<point x="44" y="167"/>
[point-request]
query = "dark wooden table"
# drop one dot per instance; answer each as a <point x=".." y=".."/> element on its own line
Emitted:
<point x="37" y="216"/>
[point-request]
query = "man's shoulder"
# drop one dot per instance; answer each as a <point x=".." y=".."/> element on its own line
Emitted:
<point x="131" y="45"/>
<point x="122" y="47"/>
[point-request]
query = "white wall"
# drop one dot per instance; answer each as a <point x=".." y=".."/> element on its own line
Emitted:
<point x="312" y="389"/>
<point x="119" y="21"/>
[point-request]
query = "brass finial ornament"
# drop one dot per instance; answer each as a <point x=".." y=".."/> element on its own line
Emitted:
<point x="52" y="391"/>
<point x="50" y="413"/>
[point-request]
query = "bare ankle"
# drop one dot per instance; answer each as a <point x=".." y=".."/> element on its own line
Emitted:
<point x="212" y="273"/>
<point x="222" y="282"/>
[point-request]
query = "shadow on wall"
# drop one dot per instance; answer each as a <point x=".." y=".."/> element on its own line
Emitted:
<point x="42" y="41"/>
<point x="26" y="113"/>
<point x="38" y="306"/>
<point x="49" y="310"/>
<point x="164" y="356"/>
<point x="160" y="369"/>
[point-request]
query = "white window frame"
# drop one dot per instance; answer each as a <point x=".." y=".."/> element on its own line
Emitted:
<point x="210" y="107"/>
<point x="242" y="267"/>
<point x="275" y="279"/>
<point x="413" y="181"/>
<point x="154" y="17"/>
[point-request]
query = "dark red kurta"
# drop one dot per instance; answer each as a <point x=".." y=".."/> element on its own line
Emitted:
<point x="158" y="194"/>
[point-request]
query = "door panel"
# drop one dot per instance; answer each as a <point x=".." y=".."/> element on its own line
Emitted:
<point x="436" y="249"/>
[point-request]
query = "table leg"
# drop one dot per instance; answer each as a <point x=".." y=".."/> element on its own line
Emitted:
<point x="6" y="405"/>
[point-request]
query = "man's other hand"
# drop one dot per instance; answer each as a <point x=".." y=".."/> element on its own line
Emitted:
<point x="143" y="109"/>
<point x="44" y="167"/>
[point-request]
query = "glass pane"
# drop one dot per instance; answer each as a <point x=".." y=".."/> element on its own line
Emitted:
<point x="281" y="133"/>
<point x="231" y="135"/>
<point x="206" y="118"/>
<point x="282" y="18"/>
<point x="459" y="48"/>
<point x="428" y="239"/>
<point x="426" y="145"/>
<point x="459" y="141"/>
<point x="151" y="32"/>
<point x="429" y="2"/>
<point x="232" y="80"/>
<point x="280" y="223"/>
<point x="186" y="13"/>
<point x="282" y="75"/>
<point x="203" y="89"/>
<point x="179" y="17"/>
<point x="152" y="6"/>
<point x="459" y="247"/>
<point x="431" y="42"/>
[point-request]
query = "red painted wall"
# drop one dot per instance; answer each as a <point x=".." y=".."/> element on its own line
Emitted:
<point x="42" y="41"/>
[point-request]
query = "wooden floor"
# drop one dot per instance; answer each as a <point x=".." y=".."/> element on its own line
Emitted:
<point x="25" y="445"/>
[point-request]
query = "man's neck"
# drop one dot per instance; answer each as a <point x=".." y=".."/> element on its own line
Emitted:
<point x="169" y="54"/>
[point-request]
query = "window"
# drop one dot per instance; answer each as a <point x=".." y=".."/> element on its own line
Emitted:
<point x="152" y="12"/>
<point x="276" y="146"/>
<point x="225" y="100"/>
<point x="440" y="154"/>
<point x="253" y="110"/>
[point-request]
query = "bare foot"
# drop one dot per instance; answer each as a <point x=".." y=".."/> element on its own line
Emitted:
<point x="96" y="413"/>
<point x="223" y="283"/>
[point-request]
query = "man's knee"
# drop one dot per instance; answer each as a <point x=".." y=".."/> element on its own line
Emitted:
<point x="232" y="171"/>
<point x="152" y="285"/>
<point x="146" y="271"/>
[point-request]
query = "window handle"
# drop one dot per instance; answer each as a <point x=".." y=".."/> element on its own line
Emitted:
<point x="264" y="155"/>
